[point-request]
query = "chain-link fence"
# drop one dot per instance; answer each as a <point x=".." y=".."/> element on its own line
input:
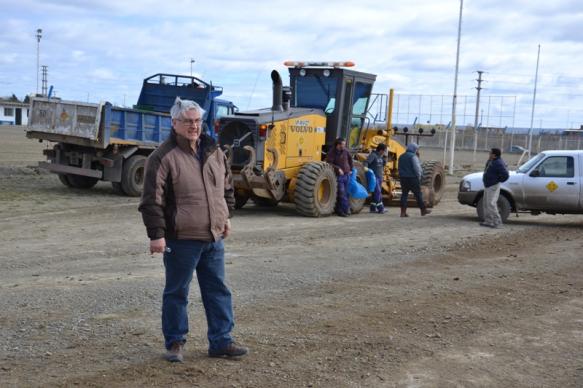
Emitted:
<point x="495" y="122"/>
<point x="488" y="138"/>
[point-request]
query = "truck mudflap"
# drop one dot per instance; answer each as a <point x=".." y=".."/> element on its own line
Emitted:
<point x="268" y="184"/>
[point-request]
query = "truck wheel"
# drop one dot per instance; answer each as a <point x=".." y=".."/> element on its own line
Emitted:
<point x="81" y="182"/>
<point x="356" y="205"/>
<point x="64" y="180"/>
<point x="264" y="202"/>
<point x="240" y="200"/>
<point x="316" y="187"/>
<point x="434" y="178"/>
<point x="132" y="176"/>
<point x="504" y="208"/>
<point x="117" y="189"/>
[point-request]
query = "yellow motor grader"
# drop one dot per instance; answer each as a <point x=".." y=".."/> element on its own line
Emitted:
<point x="278" y="153"/>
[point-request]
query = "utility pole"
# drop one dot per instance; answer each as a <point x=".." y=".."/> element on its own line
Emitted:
<point x="457" y="65"/>
<point x="39" y="34"/>
<point x="479" y="88"/>
<point x="533" y="103"/>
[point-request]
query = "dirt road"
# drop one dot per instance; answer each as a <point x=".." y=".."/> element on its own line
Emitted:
<point x="368" y="301"/>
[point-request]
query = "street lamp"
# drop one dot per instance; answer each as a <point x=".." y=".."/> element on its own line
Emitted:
<point x="191" y="62"/>
<point x="39" y="35"/>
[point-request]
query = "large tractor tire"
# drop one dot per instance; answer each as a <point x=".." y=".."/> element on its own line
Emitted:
<point x="434" y="179"/>
<point x="356" y="205"/>
<point x="132" y="176"/>
<point x="504" y="208"/>
<point x="264" y="202"/>
<point x="240" y="200"/>
<point x="80" y="181"/>
<point x="316" y="188"/>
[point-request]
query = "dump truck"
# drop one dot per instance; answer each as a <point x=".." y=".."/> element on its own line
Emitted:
<point x="101" y="141"/>
<point x="278" y="153"/>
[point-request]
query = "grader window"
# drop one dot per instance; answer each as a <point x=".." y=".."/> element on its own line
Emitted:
<point x="314" y="91"/>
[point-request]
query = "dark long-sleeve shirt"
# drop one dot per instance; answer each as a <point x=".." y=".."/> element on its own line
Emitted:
<point x="340" y="160"/>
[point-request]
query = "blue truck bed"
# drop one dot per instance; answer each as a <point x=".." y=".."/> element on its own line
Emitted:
<point x="96" y="125"/>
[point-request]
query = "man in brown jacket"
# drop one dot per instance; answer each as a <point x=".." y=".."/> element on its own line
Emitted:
<point x="187" y="199"/>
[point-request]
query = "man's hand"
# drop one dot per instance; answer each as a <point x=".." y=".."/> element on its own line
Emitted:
<point x="157" y="246"/>
<point x="340" y="172"/>
<point x="227" y="230"/>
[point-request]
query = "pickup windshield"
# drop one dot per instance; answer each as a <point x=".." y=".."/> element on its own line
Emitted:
<point x="531" y="162"/>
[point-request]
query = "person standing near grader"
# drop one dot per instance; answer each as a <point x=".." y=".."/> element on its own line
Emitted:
<point x="186" y="202"/>
<point x="340" y="159"/>
<point x="376" y="162"/>
<point x="410" y="174"/>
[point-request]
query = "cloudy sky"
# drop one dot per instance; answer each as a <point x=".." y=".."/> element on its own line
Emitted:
<point x="102" y="49"/>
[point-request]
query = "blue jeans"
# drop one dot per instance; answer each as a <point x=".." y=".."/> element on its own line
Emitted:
<point x="181" y="259"/>
<point x="342" y="202"/>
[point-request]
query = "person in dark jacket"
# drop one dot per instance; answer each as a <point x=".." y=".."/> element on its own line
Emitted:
<point x="340" y="159"/>
<point x="410" y="173"/>
<point x="186" y="203"/>
<point x="495" y="173"/>
<point x="376" y="162"/>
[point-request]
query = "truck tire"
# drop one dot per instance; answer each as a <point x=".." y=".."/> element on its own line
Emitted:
<point x="356" y="205"/>
<point x="64" y="180"/>
<point x="504" y="208"/>
<point x="434" y="179"/>
<point x="240" y="200"/>
<point x="264" y="202"/>
<point x="117" y="189"/>
<point x="132" y="176"/>
<point x="316" y="188"/>
<point x="81" y="182"/>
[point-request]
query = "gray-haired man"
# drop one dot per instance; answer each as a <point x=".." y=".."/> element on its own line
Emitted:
<point x="187" y="199"/>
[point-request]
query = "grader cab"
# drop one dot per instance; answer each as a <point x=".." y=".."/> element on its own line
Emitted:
<point x="277" y="154"/>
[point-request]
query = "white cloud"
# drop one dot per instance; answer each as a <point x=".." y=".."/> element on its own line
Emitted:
<point x="105" y="48"/>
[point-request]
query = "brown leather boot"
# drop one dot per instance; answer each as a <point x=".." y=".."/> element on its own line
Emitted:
<point x="231" y="350"/>
<point x="404" y="212"/>
<point x="425" y="212"/>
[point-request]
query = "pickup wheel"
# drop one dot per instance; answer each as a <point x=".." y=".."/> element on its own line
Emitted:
<point x="504" y="208"/>
<point x="132" y="176"/>
<point x="81" y="182"/>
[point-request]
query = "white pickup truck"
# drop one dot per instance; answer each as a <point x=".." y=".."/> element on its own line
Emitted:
<point x="550" y="182"/>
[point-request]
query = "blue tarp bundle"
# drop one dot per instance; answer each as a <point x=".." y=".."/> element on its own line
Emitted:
<point x="371" y="181"/>
<point x="355" y="189"/>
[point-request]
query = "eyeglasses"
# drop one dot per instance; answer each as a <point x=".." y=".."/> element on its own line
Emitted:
<point x="189" y="122"/>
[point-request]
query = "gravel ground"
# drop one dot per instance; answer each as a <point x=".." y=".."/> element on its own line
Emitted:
<point x="372" y="300"/>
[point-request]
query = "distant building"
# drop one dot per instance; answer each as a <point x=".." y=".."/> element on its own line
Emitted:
<point x="13" y="111"/>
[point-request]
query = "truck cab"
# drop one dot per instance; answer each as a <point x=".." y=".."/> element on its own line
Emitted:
<point x="550" y="182"/>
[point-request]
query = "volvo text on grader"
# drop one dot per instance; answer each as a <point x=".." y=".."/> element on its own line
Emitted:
<point x="277" y="154"/>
